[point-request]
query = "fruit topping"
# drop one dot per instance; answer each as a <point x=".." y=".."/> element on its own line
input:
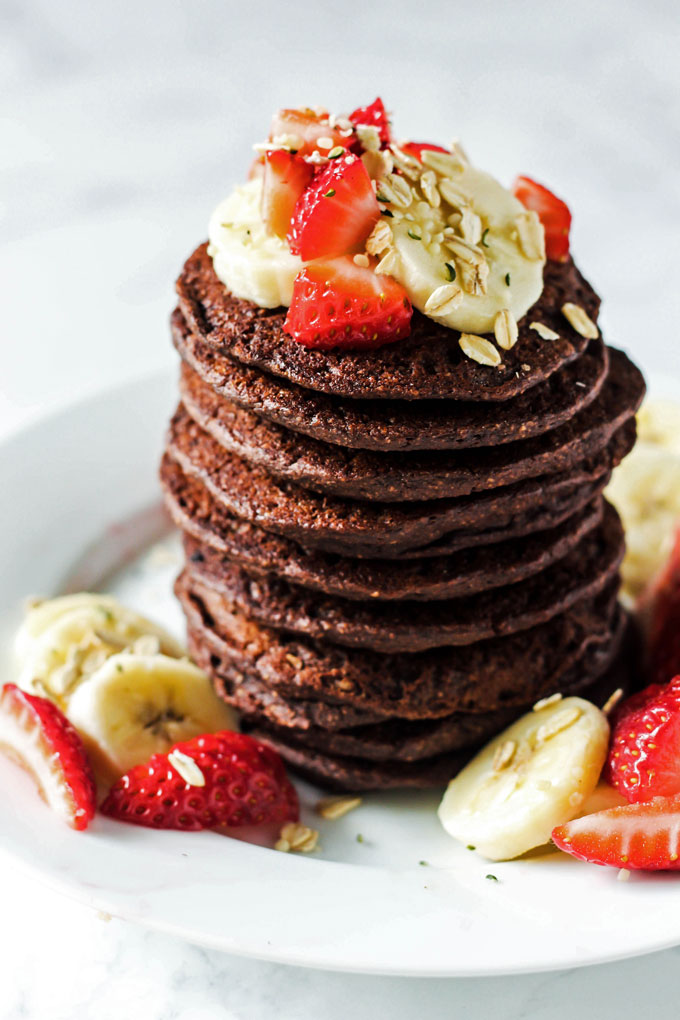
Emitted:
<point x="662" y="612"/>
<point x="644" y="759"/>
<point x="221" y="779"/>
<point x="373" y="116"/>
<point x="416" y="149"/>
<point x="285" y="178"/>
<point x="552" y="211"/>
<point x="336" y="213"/>
<point x="535" y="775"/>
<point x="340" y="304"/>
<point x="307" y="131"/>
<point x="36" y="733"/>
<point x="635" y="836"/>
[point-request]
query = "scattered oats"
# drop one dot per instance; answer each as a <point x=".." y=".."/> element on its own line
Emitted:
<point x="395" y="190"/>
<point x="294" y="661"/>
<point x="369" y="136"/>
<point x="531" y="235"/>
<point x="545" y="332"/>
<point x="344" y="123"/>
<point x="187" y="768"/>
<point x="466" y="252"/>
<point x="452" y="194"/>
<point x="581" y="384"/>
<point x="361" y="260"/>
<point x="443" y="300"/>
<point x="559" y="722"/>
<point x="470" y="226"/>
<point x="503" y="755"/>
<point x="428" y="184"/>
<point x="375" y="594"/>
<point x="612" y="701"/>
<point x="526" y="368"/>
<point x="575" y="799"/>
<point x="547" y="702"/>
<point x="388" y="263"/>
<point x="324" y="143"/>
<point x="316" y="159"/>
<point x="474" y="278"/>
<point x="443" y="163"/>
<point x="283" y="845"/>
<point x="505" y="329"/>
<point x="289" y="141"/>
<point x="459" y="150"/>
<point x="580" y="321"/>
<point x="337" y="807"/>
<point x="379" y="239"/>
<point x="298" y="838"/>
<point x="377" y="163"/>
<point x="623" y="875"/>
<point x="103" y="915"/>
<point x="147" y="644"/>
<point x="478" y="349"/>
<point x="408" y="165"/>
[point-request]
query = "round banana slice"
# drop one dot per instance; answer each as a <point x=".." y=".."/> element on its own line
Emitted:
<point x="137" y="705"/>
<point x="464" y="247"/>
<point x="252" y="263"/>
<point x="533" y="776"/>
<point x="64" y="640"/>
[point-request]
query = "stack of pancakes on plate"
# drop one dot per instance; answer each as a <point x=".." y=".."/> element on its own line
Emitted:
<point x="392" y="553"/>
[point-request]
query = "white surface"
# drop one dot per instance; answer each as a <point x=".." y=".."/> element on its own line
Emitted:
<point x="121" y="125"/>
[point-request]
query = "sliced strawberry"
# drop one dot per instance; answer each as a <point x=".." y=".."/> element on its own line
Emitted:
<point x="635" y="836"/>
<point x="663" y="616"/>
<point x="644" y="755"/>
<point x="339" y="304"/>
<point x="38" y="735"/>
<point x="220" y="779"/>
<point x="374" y="116"/>
<point x="416" y="148"/>
<point x="553" y="213"/>
<point x="256" y="168"/>
<point x="285" y="178"/>
<point x="336" y="213"/>
<point x="307" y="127"/>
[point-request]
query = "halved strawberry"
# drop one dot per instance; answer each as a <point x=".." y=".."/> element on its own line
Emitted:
<point x="339" y="304"/>
<point x="662" y="612"/>
<point x="552" y="211"/>
<point x="644" y="754"/>
<point x="635" y="836"/>
<point x="39" y="737"/>
<point x="375" y="116"/>
<point x="416" y="148"/>
<point x="336" y="213"/>
<point x="285" y="178"/>
<point x="219" y="779"/>
<point x="308" y="127"/>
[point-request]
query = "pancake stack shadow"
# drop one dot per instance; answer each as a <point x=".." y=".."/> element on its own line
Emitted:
<point x="391" y="554"/>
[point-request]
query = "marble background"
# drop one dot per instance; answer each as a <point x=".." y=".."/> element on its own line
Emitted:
<point x="121" y="125"/>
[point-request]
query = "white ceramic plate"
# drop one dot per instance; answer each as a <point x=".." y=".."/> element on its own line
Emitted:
<point x="79" y="508"/>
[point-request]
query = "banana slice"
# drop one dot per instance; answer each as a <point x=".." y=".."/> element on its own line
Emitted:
<point x="456" y="219"/>
<point x="534" y="776"/>
<point x="64" y="640"/>
<point x="252" y="263"/>
<point x="137" y="705"/>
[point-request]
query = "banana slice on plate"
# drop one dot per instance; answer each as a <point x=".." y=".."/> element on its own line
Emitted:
<point x="137" y="705"/>
<point x="251" y="262"/>
<point x="64" y="640"/>
<point x="535" y="775"/>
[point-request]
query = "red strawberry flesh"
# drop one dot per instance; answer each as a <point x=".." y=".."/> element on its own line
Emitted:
<point x="245" y="783"/>
<point x="635" y="836"/>
<point x="374" y="116"/>
<point x="39" y="736"/>
<point x="663" y="612"/>
<point x="339" y="304"/>
<point x="644" y="755"/>
<point x="553" y="213"/>
<point x="336" y="213"/>
<point x="416" y="149"/>
<point x="285" y="178"/>
<point x="307" y="127"/>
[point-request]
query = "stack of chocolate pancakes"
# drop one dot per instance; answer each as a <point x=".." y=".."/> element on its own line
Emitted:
<point x="392" y="553"/>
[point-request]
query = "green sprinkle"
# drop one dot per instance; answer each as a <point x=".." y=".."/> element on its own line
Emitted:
<point x="492" y="878"/>
<point x="119" y="668"/>
<point x="329" y="193"/>
<point x="360" y="838"/>
<point x="423" y="864"/>
<point x="507" y="279"/>
<point x="386" y="212"/>
<point x="412" y="233"/>
<point x="337" y="151"/>
<point x="484" y="235"/>
<point x="450" y="271"/>
<point x="108" y="615"/>
<point x="470" y="847"/>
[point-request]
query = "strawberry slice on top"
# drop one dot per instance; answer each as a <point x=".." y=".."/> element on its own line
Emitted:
<point x="35" y="733"/>
<point x="644" y="755"/>
<point x="311" y="131"/>
<point x="336" y="213"/>
<point x="635" y="836"/>
<point x="339" y="304"/>
<point x="553" y="213"/>
<point x="285" y="178"/>
<point x="374" y="115"/>
<point x="416" y="149"/>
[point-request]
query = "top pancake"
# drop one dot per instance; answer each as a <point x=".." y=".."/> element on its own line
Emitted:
<point x="427" y="364"/>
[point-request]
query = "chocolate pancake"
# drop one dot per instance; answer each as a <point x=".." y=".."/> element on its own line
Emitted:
<point x="373" y="529"/>
<point x="419" y="475"/>
<point x="488" y="675"/>
<point x="427" y="364"/>
<point x="397" y="425"/>
<point x="194" y="509"/>
<point x="412" y="627"/>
